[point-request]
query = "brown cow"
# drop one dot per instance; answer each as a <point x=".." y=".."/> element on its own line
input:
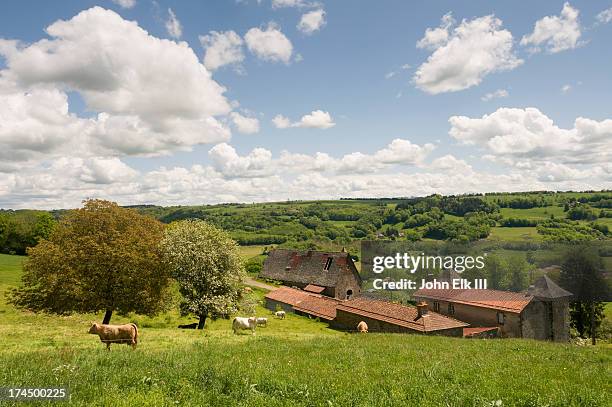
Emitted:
<point x="127" y="333"/>
<point x="362" y="327"/>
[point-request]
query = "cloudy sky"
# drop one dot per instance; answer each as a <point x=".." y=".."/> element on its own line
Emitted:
<point x="195" y="102"/>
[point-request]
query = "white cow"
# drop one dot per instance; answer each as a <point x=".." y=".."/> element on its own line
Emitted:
<point x="280" y="314"/>
<point x="241" y="323"/>
<point x="262" y="321"/>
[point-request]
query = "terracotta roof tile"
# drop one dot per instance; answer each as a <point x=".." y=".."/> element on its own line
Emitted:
<point x="322" y="307"/>
<point x="397" y="314"/>
<point x="495" y="299"/>
<point x="310" y="303"/>
<point x="288" y="295"/>
<point x="314" y="288"/>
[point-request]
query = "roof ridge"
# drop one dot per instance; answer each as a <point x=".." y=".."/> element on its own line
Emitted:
<point x="308" y="250"/>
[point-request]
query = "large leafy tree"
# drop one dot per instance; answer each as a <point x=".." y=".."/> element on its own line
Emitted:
<point x="206" y="263"/>
<point x="582" y="275"/>
<point x="101" y="257"/>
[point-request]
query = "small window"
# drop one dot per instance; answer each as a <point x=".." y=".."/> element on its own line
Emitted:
<point x="328" y="263"/>
<point x="451" y="309"/>
<point x="349" y="294"/>
<point x="436" y="306"/>
<point x="501" y="318"/>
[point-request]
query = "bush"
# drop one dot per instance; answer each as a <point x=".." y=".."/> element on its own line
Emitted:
<point x="518" y="223"/>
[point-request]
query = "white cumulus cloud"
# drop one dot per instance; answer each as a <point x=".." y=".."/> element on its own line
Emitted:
<point x="152" y="96"/>
<point x="317" y="119"/>
<point x="245" y="124"/>
<point x="605" y="16"/>
<point x="222" y="48"/>
<point x="312" y="21"/>
<point x="125" y="3"/>
<point x="465" y="54"/>
<point x="436" y="37"/>
<point x="276" y="4"/>
<point x="528" y="134"/>
<point x="269" y="44"/>
<point x="173" y="25"/>
<point x="229" y="163"/>
<point x="555" y="33"/>
<point x="499" y="93"/>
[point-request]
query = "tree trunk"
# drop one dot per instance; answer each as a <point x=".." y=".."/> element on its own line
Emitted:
<point x="202" y="322"/>
<point x="593" y="339"/>
<point x="107" y="316"/>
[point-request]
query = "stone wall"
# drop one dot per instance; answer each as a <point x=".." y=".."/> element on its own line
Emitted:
<point x="535" y="322"/>
<point x="347" y="281"/>
<point x="481" y="317"/>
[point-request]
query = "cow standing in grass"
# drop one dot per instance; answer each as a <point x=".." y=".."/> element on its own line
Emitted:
<point x="127" y="333"/>
<point x="241" y="323"/>
<point x="362" y="327"/>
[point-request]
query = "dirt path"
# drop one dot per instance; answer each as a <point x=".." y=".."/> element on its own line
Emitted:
<point x="254" y="283"/>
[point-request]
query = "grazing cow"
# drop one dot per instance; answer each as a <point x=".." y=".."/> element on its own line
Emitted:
<point x="241" y="323"/>
<point x="262" y="321"/>
<point x="280" y="314"/>
<point x="189" y="326"/>
<point x="362" y="327"/>
<point x="127" y="333"/>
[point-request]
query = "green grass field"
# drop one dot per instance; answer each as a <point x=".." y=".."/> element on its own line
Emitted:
<point x="514" y="234"/>
<point x="540" y="213"/>
<point x="296" y="361"/>
<point x="248" y="252"/>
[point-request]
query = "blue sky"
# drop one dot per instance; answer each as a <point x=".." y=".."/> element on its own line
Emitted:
<point x="358" y="66"/>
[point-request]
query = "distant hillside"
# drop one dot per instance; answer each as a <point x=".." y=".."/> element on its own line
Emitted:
<point x="333" y="224"/>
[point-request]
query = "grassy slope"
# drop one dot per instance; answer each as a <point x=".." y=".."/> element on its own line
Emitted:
<point x="292" y="362"/>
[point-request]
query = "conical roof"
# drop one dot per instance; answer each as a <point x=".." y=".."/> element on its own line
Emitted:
<point x="546" y="289"/>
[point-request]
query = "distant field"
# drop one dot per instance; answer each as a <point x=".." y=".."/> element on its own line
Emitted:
<point x="250" y="251"/>
<point x="533" y="213"/>
<point x="514" y="234"/>
<point x="605" y="221"/>
<point x="296" y="362"/>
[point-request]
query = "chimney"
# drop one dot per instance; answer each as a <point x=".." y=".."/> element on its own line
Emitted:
<point x="422" y="308"/>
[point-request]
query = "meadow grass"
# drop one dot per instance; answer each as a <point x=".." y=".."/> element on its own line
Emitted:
<point x="514" y="234"/>
<point x="296" y="361"/>
<point x="248" y="252"/>
<point x="540" y="213"/>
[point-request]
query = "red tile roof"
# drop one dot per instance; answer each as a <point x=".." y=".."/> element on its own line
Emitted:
<point x="398" y="314"/>
<point x="314" y="288"/>
<point x="494" y="299"/>
<point x="321" y="307"/>
<point x="309" y="303"/>
<point x="288" y="295"/>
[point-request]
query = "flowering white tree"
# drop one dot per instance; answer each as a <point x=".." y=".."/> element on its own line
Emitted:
<point x="206" y="263"/>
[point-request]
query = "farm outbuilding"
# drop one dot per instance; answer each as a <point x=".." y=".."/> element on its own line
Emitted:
<point x="384" y="316"/>
<point x="332" y="274"/>
<point x="302" y="302"/>
<point x="542" y="312"/>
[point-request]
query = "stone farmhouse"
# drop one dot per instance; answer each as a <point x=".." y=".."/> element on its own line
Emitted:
<point x="326" y="285"/>
<point x="332" y="274"/>
<point x="540" y="313"/>
<point x="381" y="316"/>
